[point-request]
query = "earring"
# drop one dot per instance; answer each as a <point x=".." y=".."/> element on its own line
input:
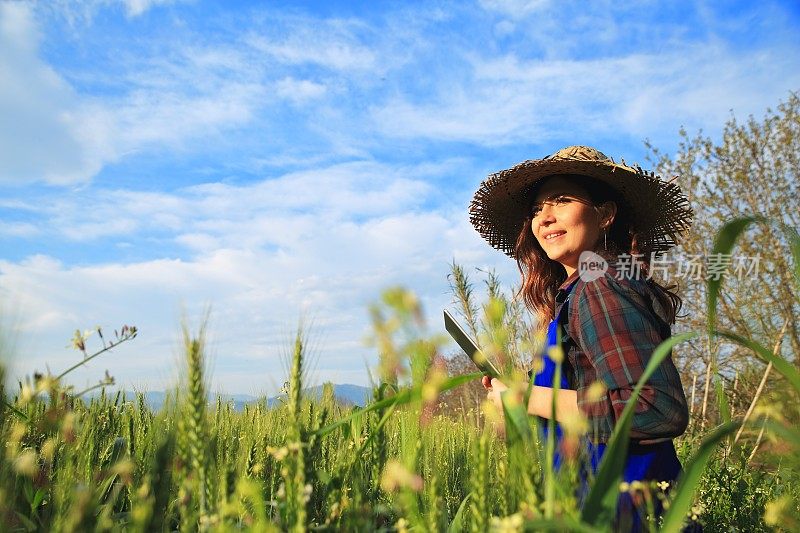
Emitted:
<point x="605" y="236"/>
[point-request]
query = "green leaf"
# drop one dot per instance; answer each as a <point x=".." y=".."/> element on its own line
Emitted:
<point x="723" y="244"/>
<point x="550" y="444"/>
<point x="37" y="499"/>
<point x="602" y="497"/>
<point x="516" y="420"/>
<point x="687" y="482"/>
<point x="19" y="414"/>
<point x="794" y="247"/>
<point x="376" y="430"/>
<point x="27" y="488"/>
<point x="782" y="366"/>
<point x="457" y="525"/>
<point x="786" y="433"/>
<point x="722" y="400"/>
<point x="29" y="525"/>
<point x="105" y="487"/>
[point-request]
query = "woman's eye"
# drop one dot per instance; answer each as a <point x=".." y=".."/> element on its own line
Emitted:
<point x="560" y="200"/>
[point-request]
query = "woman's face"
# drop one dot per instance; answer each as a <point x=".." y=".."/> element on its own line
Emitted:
<point x="565" y="222"/>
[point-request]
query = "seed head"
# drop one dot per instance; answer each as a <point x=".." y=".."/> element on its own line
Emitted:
<point x="26" y="463"/>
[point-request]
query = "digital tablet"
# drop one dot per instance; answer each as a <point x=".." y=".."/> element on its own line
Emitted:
<point x="469" y="346"/>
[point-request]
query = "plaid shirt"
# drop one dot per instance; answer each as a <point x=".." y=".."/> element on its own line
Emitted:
<point x="613" y="326"/>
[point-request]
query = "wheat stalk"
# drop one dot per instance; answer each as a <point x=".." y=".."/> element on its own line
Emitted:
<point x="196" y="434"/>
<point x="295" y="478"/>
<point x="478" y="502"/>
<point x="763" y="382"/>
<point x="461" y="288"/>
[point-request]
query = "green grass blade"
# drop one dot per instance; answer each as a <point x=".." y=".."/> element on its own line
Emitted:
<point x="518" y="428"/>
<point x="457" y="525"/>
<point x="19" y="414"/>
<point x="794" y="247"/>
<point x="376" y="430"/>
<point x="723" y="244"/>
<point x="787" y="433"/>
<point x="27" y="521"/>
<point x="402" y="397"/>
<point x="687" y="482"/>
<point x="603" y="494"/>
<point x="722" y="400"/>
<point x="782" y="366"/>
<point x="550" y="444"/>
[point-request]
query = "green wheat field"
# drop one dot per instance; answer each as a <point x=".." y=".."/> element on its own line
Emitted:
<point x="103" y="462"/>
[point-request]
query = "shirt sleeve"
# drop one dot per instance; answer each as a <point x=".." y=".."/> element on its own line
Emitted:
<point x="617" y="329"/>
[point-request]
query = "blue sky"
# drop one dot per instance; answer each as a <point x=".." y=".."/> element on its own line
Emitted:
<point x="275" y="160"/>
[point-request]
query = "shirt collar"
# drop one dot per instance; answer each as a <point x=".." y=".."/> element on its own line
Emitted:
<point x="562" y="292"/>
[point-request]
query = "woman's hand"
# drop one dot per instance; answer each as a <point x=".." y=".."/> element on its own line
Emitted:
<point x="494" y="387"/>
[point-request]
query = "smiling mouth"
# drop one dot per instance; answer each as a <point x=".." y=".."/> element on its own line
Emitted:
<point x="552" y="236"/>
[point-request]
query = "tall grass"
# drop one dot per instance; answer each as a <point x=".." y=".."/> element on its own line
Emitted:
<point x="110" y="463"/>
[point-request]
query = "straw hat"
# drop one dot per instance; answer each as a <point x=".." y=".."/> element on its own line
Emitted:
<point x="659" y="211"/>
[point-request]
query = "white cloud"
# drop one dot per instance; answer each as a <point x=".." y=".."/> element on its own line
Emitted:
<point x="299" y="91"/>
<point x="319" y="244"/>
<point x="18" y="229"/>
<point x="198" y="241"/>
<point x="257" y="297"/>
<point x="331" y="44"/>
<point x="515" y="8"/>
<point x="267" y="212"/>
<point x="148" y="118"/>
<point x="82" y="12"/>
<point x="507" y="100"/>
<point x="41" y="138"/>
<point x="368" y="80"/>
<point x="134" y="8"/>
<point x="60" y="136"/>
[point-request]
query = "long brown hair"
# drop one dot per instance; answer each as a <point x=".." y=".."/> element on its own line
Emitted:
<point x="541" y="276"/>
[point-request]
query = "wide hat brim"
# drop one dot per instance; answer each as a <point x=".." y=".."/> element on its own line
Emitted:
<point x="659" y="212"/>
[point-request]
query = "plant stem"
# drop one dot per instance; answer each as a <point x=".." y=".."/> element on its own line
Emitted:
<point x="16" y="411"/>
<point x="89" y="358"/>
<point x="763" y="382"/>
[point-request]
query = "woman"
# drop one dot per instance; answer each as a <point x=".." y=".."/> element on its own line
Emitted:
<point x="582" y="229"/>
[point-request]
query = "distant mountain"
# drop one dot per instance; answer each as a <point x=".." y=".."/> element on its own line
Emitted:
<point x="346" y="393"/>
<point x="155" y="399"/>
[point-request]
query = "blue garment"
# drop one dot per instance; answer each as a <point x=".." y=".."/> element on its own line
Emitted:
<point x="546" y="378"/>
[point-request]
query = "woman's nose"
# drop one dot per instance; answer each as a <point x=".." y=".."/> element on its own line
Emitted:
<point x="546" y="215"/>
<point x="542" y="221"/>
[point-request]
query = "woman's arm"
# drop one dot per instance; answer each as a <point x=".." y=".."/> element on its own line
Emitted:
<point x="541" y="400"/>
<point x="541" y="403"/>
